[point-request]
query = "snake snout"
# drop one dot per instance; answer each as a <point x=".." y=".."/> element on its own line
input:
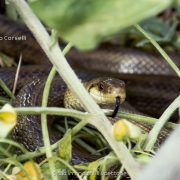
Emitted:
<point x="105" y="90"/>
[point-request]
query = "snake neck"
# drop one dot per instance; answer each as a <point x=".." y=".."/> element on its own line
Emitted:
<point x="71" y="102"/>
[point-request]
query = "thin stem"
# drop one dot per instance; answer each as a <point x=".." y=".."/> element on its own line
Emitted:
<point x="13" y="143"/>
<point x="78" y="127"/>
<point x="161" y="51"/>
<point x="44" y="127"/>
<point x="141" y="118"/>
<point x="120" y="173"/>
<point x="85" y="116"/>
<point x="58" y="60"/>
<point x="4" y="100"/>
<point x="53" y="111"/>
<point x="17" y="75"/>
<point x="7" y="168"/>
<point x="44" y="117"/>
<point x="153" y="135"/>
<point x="6" y="89"/>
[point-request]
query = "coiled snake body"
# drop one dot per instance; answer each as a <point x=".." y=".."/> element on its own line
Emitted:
<point x="151" y="84"/>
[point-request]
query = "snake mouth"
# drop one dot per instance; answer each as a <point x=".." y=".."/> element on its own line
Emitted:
<point x="102" y="98"/>
<point x="110" y="101"/>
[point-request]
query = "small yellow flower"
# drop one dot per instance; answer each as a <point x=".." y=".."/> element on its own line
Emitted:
<point x="8" y="119"/>
<point x="123" y="128"/>
<point x="120" y="130"/>
<point x="32" y="169"/>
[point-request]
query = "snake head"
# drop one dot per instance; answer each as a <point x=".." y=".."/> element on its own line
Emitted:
<point x="105" y="90"/>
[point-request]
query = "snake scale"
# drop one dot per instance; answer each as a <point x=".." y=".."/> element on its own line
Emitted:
<point x="151" y="85"/>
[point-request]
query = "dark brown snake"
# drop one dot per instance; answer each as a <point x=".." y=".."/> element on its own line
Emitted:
<point x="151" y="85"/>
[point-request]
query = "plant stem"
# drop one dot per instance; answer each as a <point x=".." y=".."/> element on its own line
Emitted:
<point x="4" y="100"/>
<point x="85" y="116"/>
<point x="146" y="119"/>
<point x="58" y="60"/>
<point x="45" y="133"/>
<point x="78" y="127"/>
<point x="13" y="143"/>
<point x="153" y="135"/>
<point x="161" y="51"/>
<point x="44" y="127"/>
<point x="53" y="111"/>
<point x="6" y="89"/>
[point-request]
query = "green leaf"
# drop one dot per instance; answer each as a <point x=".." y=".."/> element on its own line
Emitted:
<point x="65" y="147"/>
<point x="6" y="89"/>
<point x="85" y="23"/>
<point x="93" y="168"/>
<point x="163" y="32"/>
<point x="178" y="2"/>
<point x="4" y="100"/>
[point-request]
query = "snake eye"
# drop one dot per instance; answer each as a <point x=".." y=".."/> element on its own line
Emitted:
<point x="101" y="86"/>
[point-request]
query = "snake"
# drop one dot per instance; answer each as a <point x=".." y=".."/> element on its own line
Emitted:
<point x="151" y="85"/>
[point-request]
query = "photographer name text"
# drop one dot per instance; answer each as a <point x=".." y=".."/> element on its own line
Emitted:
<point x="13" y="38"/>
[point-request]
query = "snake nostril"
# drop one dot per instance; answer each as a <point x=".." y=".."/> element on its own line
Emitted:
<point x="122" y="84"/>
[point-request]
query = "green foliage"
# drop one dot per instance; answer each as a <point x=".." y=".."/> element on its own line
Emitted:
<point x="160" y="31"/>
<point x="6" y="89"/>
<point x="164" y="32"/>
<point x="65" y="147"/>
<point x="85" y="23"/>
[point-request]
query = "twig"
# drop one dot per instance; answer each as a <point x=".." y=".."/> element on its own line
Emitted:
<point x="17" y="75"/>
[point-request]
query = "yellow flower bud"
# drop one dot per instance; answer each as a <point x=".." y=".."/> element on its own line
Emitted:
<point x="120" y="130"/>
<point x="32" y="169"/>
<point x="123" y="128"/>
<point x="8" y="114"/>
<point x="8" y="119"/>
